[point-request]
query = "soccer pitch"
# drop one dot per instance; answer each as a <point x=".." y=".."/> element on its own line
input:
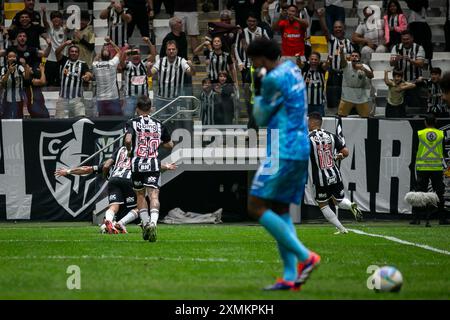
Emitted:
<point x="228" y="261"/>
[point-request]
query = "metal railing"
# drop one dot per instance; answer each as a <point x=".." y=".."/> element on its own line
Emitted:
<point x="193" y="111"/>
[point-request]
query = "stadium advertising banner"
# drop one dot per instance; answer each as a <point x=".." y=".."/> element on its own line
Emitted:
<point x="377" y="174"/>
<point x="30" y="152"/>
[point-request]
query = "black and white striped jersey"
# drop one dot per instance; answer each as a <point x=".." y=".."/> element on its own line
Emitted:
<point x="135" y="79"/>
<point x="71" y="81"/>
<point x="324" y="146"/>
<point x="170" y="76"/>
<point x="218" y="63"/>
<point x="333" y="46"/>
<point x="410" y="71"/>
<point x="315" y="83"/>
<point x="13" y="90"/>
<point x="122" y="165"/>
<point x="243" y="40"/>
<point x="207" y="100"/>
<point x="435" y="102"/>
<point x="117" y="28"/>
<point x="147" y="135"/>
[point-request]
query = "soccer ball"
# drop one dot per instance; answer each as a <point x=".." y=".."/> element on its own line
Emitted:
<point x="388" y="279"/>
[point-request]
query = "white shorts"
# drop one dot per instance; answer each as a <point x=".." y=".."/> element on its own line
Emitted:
<point x="68" y="108"/>
<point x="190" y="22"/>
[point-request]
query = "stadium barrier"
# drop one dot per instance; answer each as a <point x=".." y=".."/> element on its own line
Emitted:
<point x="377" y="174"/>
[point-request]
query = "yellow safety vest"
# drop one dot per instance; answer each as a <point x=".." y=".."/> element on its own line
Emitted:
<point x="430" y="152"/>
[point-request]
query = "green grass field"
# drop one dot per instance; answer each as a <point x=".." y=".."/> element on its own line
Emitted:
<point x="226" y="261"/>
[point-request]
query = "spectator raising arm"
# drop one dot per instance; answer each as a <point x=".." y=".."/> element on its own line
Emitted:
<point x="151" y="47"/>
<point x="323" y="23"/>
<point x="46" y="52"/>
<point x="60" y="49"/>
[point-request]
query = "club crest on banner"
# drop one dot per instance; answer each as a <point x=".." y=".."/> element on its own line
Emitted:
<point x="67" y="149"/>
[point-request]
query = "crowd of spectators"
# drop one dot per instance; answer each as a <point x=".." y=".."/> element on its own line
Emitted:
<point x="337" y="81"/>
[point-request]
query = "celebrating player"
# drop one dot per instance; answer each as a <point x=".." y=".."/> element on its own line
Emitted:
<point x="120" y="189"/>
<point x="326" y="148"/>
<point x="143" y="138"/>
<point x="282" y="108"/>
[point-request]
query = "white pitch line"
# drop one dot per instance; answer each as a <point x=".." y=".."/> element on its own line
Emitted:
<point x="394" y="239"/>
<point x="104" y="257"/>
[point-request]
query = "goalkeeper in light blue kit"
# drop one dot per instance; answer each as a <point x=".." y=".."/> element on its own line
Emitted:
<point x="280" y="180"/>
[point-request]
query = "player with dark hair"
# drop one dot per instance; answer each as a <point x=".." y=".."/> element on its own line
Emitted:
<point x="142" y="140"/>
<point x="281" y="178"/>
<point x="326" y="149"/>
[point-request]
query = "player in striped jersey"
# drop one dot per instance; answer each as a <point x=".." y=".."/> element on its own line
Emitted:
<point x="143" y="138"/>
<point x="326" y="148"/>
<point x="12" y="78"/>
<point x="136" y="73"/>
<point x="118" y="19"/>
<point x="73" y="73"/>
<point x="121" y="195"/>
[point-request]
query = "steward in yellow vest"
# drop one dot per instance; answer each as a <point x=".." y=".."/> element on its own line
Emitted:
<point x="429" y="167"/>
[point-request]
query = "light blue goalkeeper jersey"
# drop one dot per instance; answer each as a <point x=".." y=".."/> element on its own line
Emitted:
<point x="283" y="105"/>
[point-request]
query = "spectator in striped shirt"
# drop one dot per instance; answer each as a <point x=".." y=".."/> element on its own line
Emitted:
<point x="336" y="39"/>
<point x="436" y="105"/>
<point x="243" y="39"/>
<point x="217" y="60"/>
<point x="136" y="73"/>
<point x="314" y="75"/>
<point x="105" y="73"/>
<point x="170" y="72"/>
<point x="74" y="72"/>
<point x="409" y="57"/>
<point x="207" y="98"/>
<point x="118" y="20"/>
<point x="12" y="78"/>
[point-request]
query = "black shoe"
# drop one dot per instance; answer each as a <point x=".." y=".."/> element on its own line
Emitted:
<point x="444" y="222"/>
<point x="196" y="60"/>
<point x="415" y="222"/>
<point x="427" y="225"/>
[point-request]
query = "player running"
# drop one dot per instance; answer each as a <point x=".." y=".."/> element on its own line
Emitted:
<point x="117" y="169"/>
<point x="326" y="148"/>
<point x="142" y="140"/>
<point x="281" y="178"/>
